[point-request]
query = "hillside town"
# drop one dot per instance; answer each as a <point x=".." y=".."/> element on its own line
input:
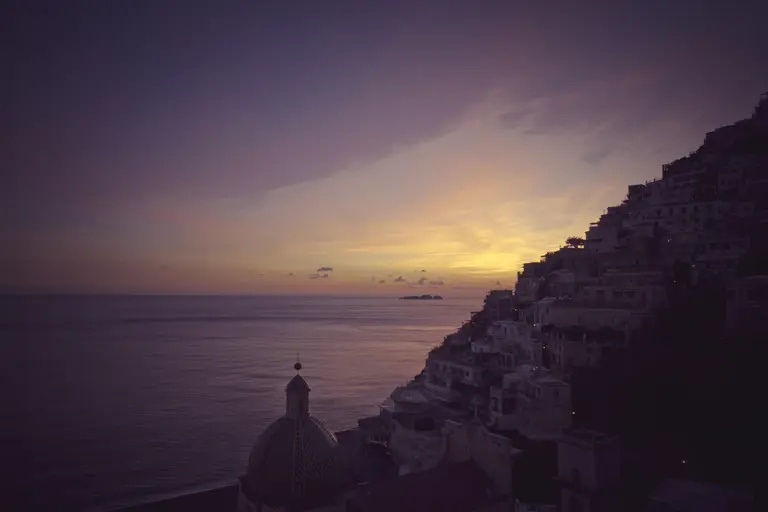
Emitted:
<point x="620" y="374"/>
<point x="617" y="374"/>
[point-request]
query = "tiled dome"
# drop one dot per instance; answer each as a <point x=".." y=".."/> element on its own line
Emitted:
<point x="295" y="462"/>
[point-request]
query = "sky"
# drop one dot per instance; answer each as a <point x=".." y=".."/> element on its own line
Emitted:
<point x="343" y="147"/>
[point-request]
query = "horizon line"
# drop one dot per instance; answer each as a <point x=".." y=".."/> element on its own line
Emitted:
<point x="206" y="294"/>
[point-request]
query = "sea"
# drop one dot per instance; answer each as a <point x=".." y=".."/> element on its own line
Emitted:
<point x="109" y="401"/>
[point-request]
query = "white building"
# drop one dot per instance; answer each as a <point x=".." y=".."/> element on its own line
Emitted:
<point x="518" y="338"/>
<point x="595" y="316"/>
<point x="633" y="296"/>
<point x="696" y="216"/>
<point x="540" y="312"/>
<point x="544" y="402"/>
<point x="485" y="346"/>
<point x="446" y="367"/>
<point x="416" y="442"/>
<point x="507" y="361"/>
<point x="720" y="252"/>
<point x="572" y="347"/>
<point x="405" y="399"/>
<point x="493" y="453"/>
<point x="531" y="401"/>
<point x="629" y="279"/>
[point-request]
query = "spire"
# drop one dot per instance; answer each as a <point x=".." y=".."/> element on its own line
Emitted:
<point x="297" y="395"/>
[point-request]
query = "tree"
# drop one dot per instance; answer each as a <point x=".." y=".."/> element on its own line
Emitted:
<point x="575" y="242"/>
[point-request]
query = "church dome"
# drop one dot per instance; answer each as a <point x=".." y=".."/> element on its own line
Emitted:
<point x="295" y="462"/>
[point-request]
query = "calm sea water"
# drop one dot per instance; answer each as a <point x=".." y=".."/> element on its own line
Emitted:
<point x="110" y="401"/>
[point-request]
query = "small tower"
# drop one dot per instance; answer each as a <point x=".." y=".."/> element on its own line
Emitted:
<point x="297" y="396"/>
<point x="588" y="466"/>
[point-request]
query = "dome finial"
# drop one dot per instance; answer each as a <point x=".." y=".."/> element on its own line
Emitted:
<point x="297" y="366"/>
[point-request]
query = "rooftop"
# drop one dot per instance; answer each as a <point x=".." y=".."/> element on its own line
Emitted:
<point x="408" y="395"/>
<point x="447" y="353"/>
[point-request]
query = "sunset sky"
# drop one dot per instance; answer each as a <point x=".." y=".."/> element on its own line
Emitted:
<point x="168" y="146"/>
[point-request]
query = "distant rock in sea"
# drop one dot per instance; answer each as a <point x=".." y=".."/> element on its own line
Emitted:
<point x="422" y="297"/>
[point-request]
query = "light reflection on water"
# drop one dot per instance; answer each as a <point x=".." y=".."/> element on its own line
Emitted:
<point x="127" y="397"/>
